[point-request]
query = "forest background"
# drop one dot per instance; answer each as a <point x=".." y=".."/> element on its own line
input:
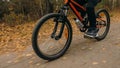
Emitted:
<point x="21" y="11"/>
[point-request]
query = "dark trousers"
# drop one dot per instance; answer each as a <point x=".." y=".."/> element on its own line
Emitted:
<point x="90" y="7"/>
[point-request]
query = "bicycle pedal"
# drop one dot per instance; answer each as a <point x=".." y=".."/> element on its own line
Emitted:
<point x="89" y="37"/>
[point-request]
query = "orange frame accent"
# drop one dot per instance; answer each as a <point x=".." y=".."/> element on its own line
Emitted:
<point x="71" y="3"/>
<point x="65" y="1"/>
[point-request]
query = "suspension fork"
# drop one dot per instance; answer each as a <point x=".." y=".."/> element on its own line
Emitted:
<point x="61" y="32"/>
<point x="62" y="18"/>
<point x="54" y="30"/>
<point x="57" y="37"/>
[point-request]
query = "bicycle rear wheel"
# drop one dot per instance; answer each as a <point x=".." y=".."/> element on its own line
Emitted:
<point x="103" y="23"/>
<point x="45" y="41"/>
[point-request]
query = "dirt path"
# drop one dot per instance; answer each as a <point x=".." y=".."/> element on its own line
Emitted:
<point x="83" y="53"/>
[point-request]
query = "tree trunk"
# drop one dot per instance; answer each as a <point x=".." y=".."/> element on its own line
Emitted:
<point x="49" y="6"/>
<point x="46" y="7"/>
<point x="114" y="3"/>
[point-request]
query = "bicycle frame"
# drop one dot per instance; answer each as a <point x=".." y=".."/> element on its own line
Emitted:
<point x="72" y="5"/>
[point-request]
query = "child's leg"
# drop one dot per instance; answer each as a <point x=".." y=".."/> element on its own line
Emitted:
<point x="91" y="12"/>
<point x="92" y="31"/>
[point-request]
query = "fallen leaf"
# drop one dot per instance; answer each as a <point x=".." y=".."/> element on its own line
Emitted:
<point x="30" y="62"/>
<point x="103" y="48"/>
<point x="16" y="61"/>
<point x="28" y="55"/>
<point x="64" y="58"/>
<point x="38" y="64"/>
<point x="9" y="62"/>
<point x="95" y="63"/>
<point x="83" y="48"/>
<point x="90" y="48"/>
<point x="118" y="44"/>
<point x="33" y="58"/>
<point x="104" y="61"/>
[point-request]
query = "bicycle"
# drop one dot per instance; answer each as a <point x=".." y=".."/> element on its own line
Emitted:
<point x="52" y="41"/>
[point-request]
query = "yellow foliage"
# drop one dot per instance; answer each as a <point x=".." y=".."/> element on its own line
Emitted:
<point x="15" y="39"/>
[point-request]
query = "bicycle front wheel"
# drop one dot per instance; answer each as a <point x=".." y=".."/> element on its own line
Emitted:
<point x="52" y="36"/>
